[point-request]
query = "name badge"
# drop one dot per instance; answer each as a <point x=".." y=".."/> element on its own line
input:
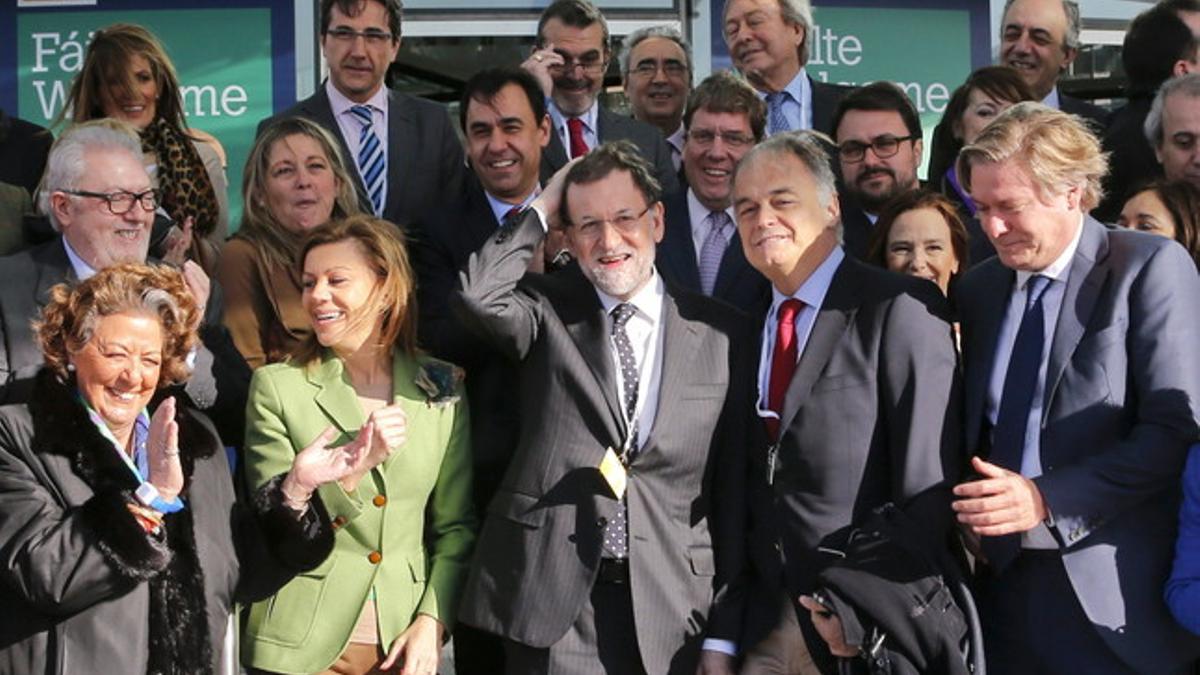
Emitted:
<point x="614" y="473"/>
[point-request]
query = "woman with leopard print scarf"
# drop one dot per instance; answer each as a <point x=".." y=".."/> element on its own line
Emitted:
<point x="127" y="75"/>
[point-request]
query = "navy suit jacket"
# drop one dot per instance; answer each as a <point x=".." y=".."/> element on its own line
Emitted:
<point x="825" y="99"/>
<point x="738" y="283"/>
<point x="1122" y="397"/>
<point x="613" y="127"/>
<point x="1095" y="116"/>
<point x="425" y="165"/>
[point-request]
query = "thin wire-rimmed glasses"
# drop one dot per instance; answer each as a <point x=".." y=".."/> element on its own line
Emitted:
<point x="591" y="228"/>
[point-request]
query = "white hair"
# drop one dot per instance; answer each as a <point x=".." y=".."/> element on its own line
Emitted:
<point x="67" y="162"/>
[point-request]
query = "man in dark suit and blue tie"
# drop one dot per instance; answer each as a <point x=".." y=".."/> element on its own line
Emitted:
<point x="615" y="541"/>
<point x="1082" y="393"/>
<point x="768" y="42"/>
<point x="409" y="161"/>
<point x="700" y="250"/>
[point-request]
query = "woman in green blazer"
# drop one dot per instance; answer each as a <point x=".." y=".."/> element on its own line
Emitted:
<point x="404" y="519"/>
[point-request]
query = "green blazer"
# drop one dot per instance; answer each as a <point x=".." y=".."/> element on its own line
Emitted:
<point x="405" y="534"/>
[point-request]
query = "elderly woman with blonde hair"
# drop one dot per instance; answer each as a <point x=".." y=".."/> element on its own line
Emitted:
<point x="123" y="544"/>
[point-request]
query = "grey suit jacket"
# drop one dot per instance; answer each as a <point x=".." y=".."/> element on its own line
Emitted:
<point x="220" y="380"/>
<point x="540" y="546"/>
<point x="1120" y="410"/>
<point x="425" y="165"/>
<point x="612" y="127"/>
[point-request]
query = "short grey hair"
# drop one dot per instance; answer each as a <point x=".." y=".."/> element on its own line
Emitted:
<point x="1184" y="85"/>
<point x="793" y="11"/>
<point x="1071" y="10"/>
<point x="811" y="148"/>
<point x="65" y="167"/>
<point x="667" y="33"/>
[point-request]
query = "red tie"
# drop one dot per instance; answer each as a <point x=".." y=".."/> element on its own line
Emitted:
<point x="579" y="146"/>
<point x="783" y="362"/>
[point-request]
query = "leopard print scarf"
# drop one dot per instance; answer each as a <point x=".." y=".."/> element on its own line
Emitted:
<point x="182" y="179"/>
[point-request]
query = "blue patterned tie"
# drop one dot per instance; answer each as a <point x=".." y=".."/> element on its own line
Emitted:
<point x="372" y="160"/>
<point x="713" y="251"/>
<point x="1016" y="399"/>
<point x="616" y="532"/>
<point x="776" y="122"/>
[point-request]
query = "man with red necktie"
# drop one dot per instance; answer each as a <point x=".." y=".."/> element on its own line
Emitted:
<point x="569" y="59"/>
<point x="857" y="388"/>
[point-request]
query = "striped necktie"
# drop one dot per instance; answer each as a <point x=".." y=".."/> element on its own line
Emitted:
<point x="372" y="160"/>
<point x="713" y="251"/>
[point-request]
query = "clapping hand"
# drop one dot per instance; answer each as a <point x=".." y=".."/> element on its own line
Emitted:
<point x="162" y="452"/>
<point x="319" y="463"/>
<point x="385" y="431"/>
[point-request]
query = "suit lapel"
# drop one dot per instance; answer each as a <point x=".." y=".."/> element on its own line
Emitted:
<point x="402" y="139"/>
<point x="1084" y="282"/>
<point x="53" y="268"/>
<point x="733" y="266"/>
<point x="319" y="109"/>
<point x="588" y="328"/>
<point x="988" y="306"/>
<point x="334" y="395"/>
<point x="554" y="156"/>
<point x="841" y="301"/>
<point x="679" y="344"/>
<point x="678" y="251"/>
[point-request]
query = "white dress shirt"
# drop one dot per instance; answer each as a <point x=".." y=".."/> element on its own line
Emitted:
<point x="588" y="118"/>
<point x="645" y="336"/>
<point x="702" y="224"/>
<point x="1052" y="298"/>
<point x="83" y="271"/>
<point x="500" y="208"/>
<point x="352" y="128"/>
<point x="812" y="294"/>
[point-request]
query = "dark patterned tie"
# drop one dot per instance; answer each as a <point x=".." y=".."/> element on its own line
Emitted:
<point x="616" y="532"/>
<point x="1016" y="399"/>
<point x="776" y="120"/>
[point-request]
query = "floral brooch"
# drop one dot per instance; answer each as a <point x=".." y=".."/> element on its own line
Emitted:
<point x="439" y="380"/>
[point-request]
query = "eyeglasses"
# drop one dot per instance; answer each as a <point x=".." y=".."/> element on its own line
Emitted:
<point x="121" y="202"/>
<point x="672" y="68"/>
<point x="373" y="36"/>
<point x="706" y="137"/>
<point x="884" y="147"/>
<point x="625" y="223"/>
<point x="590" y="63"/>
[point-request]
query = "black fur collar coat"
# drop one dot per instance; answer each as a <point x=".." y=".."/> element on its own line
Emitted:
<point x="84" y="589"/>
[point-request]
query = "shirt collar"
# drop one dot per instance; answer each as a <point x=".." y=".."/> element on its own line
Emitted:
<point x="798" y="88"/>
<point x="1061" y="266"/>
<point x="1052" y="99"/>
<point x="340" y="104"/>
<point x="647" y="301"/>
<point x="588" y="116"/>
<point x="812" y="291"/>
<point x="500" y="208"/>
<point x="82" y="269"/>
<point x="675" y="140"/>
<point x="698" y="212"/>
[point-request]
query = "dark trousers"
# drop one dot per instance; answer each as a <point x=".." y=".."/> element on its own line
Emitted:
<point x="602" y="641"/>
<point x="1033" y="624"/>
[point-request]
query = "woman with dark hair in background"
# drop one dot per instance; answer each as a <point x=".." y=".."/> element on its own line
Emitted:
<point x="1167" y="208"/>
<point x="920" y="234"/>
<point x="986" y="93"/>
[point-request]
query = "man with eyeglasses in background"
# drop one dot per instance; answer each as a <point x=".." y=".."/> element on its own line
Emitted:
<point x="569" y="59"/>
<point x="700" y="249"/>
<point x="656" y="65"/>
<point x="408" y="158"/>
<point x="878" y="136"/>
<point x="99" y="198"/>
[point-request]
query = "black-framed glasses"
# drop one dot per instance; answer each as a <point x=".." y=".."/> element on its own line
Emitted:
<point x="706" y="137"/>
<point x="672" y="68"/>
<point x="590" y="63"/>
<point x="625" y="222"/>
<point x="121" y="201"/>
<point x="884" y="147"/>
<point x="373" y="36"/>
